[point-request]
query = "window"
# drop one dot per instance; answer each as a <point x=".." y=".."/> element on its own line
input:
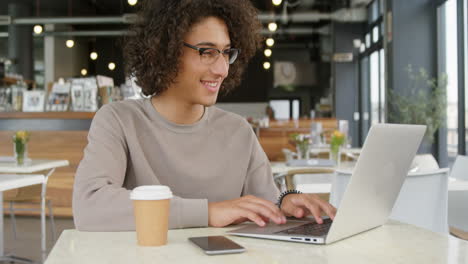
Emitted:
<point x="286" y="108"/>
<point x="374" y="87"/>
<point x="372" y="71"/>
<point x="450" y="9"/>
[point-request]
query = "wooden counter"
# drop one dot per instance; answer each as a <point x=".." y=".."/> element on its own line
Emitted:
<point x="54" y="135"/>
<point x="47" y="115"/>
<point x="276" y="137"/>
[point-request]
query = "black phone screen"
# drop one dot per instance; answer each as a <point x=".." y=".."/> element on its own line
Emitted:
<point x="215" y="243"/>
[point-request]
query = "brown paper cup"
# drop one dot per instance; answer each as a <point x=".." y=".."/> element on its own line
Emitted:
<point x="151" y="208"/>
<point x="151" y="219"/>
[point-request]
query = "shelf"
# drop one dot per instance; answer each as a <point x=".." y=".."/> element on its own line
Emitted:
<point x="47" y="115"/>
<point x="10" y="81"/>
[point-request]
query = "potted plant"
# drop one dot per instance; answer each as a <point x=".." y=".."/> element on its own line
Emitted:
<point x="20" y="146"/>
<point x="425" y="102"/>
<point x="302" y="144"/>
<point x="336" y="142"/>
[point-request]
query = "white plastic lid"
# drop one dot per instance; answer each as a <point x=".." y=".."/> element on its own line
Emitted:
<point x="151" y="192"/>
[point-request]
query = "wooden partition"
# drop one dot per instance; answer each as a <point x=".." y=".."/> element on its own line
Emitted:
<point x="67" y="145"/>
<point x="276" y="137"/>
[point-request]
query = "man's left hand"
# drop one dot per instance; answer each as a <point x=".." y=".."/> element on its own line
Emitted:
<point x="304" y="204"/>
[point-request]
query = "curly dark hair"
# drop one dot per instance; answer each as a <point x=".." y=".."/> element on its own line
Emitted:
<point x="153" y="50"/>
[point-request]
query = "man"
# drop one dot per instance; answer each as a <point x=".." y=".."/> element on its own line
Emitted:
<point x="183" y="54"/>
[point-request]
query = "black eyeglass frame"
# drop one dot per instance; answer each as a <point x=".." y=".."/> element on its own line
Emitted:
<point x="202" y="50"/>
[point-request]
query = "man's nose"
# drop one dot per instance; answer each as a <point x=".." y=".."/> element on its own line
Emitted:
<point x="220" y="66"/>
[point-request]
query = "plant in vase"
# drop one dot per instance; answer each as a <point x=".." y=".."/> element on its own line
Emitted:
<point x="302" y="144"/>
<point x="424" y="103"/>
<point x="20" y="146"/>
<point x="337" y="140"/>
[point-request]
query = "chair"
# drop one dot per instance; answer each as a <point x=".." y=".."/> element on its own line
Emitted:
<point x="35" y="194"/>
<point x="458" y="200"/>
<point x="424" y="162"/>
<point x="318" y="177"/>
<point x="422" y="200"/>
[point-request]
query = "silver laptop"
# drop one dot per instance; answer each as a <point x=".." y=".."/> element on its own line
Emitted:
<point x="369" y="198"/>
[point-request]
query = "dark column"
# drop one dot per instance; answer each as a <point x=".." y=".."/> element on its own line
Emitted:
<point x="20" y="42"/>
<point x="413" y="41"/>
<point x="345" y="76"/>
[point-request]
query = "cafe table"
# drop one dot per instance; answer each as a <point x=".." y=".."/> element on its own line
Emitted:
<point x="47" y="167"/>
<point x="394" y="242"/>
<point x="9" y="182"/>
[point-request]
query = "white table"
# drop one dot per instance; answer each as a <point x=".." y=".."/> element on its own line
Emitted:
<point x="8" y="182"/>
<point x="8" y="166"/>
<point x="326" y="149"/>
<point x="392" y="243"/>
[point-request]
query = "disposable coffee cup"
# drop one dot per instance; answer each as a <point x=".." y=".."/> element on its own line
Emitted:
<point x="151" y="208"/>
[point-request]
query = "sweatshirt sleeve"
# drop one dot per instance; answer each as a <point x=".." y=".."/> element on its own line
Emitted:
<point x="259" y="181"/>
<point x="100" y="202"/>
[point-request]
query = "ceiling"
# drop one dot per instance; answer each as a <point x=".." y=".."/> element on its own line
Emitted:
<point x="99" y="8"/>
<point x="115" y="7"/>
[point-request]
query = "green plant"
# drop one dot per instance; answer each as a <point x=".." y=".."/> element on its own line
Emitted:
<point x="301" y="142"/>
<point x="20" y="140"/>
<point x="424" y="104"/>
<point x="337" y="140"/>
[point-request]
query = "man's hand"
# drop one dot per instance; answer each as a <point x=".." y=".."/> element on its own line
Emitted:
<point x="301" y="205"/>
<point x="242" y="209"/>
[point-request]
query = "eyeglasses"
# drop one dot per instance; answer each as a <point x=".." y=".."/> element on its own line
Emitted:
<point x="210" y="55"/>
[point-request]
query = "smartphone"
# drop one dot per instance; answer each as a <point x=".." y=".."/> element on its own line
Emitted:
<point x="215" y="245"/>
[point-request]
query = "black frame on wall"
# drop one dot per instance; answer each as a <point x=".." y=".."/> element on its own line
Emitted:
<point x="461" y="43"/>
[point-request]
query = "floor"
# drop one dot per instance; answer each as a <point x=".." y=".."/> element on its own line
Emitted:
<point x="28" y="241"/>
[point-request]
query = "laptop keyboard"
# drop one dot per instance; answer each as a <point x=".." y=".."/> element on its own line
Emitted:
<point x="310" y="229"/>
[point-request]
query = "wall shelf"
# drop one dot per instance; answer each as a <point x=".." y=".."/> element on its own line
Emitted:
<point x="47" y="115"/>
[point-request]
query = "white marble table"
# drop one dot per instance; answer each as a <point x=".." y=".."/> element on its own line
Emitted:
<point x="8" y="166"/>
<point x="8" y="182"/>
<point x="393" y="243"/>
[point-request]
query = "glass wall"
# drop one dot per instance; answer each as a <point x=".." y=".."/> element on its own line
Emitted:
<point x="451" y="62"/>
<point x="372" y="71"/>
<point x="465" y="48"/>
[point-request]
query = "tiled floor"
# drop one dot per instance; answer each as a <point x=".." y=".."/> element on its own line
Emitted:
<point x="28" y="241"/>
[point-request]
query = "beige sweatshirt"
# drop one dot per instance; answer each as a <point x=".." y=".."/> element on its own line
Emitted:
<point x="131" y="144"/>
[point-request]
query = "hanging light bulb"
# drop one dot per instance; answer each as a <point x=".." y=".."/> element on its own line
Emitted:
<point x="267" y="52"/>
<point x="276" y="2"/>
<point x="266" y="65"/>
<point x="84" y="72"/>
<point x="272" y="26"/>
<point x="270" y="42"/>
<point x="111" y="66"/>
<point x="37" y="29"/>
<point x="132" y="2"/>
<point x="93" y="55"/>
<point x="70" y="43"/>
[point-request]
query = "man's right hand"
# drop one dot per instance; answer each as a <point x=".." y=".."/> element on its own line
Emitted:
<point x="242" y="209"/>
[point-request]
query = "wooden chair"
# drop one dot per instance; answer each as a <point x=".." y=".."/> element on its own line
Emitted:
<point x="285" y="181"/>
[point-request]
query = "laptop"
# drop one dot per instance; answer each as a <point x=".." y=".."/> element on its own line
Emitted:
<point x="371" y="193"/>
